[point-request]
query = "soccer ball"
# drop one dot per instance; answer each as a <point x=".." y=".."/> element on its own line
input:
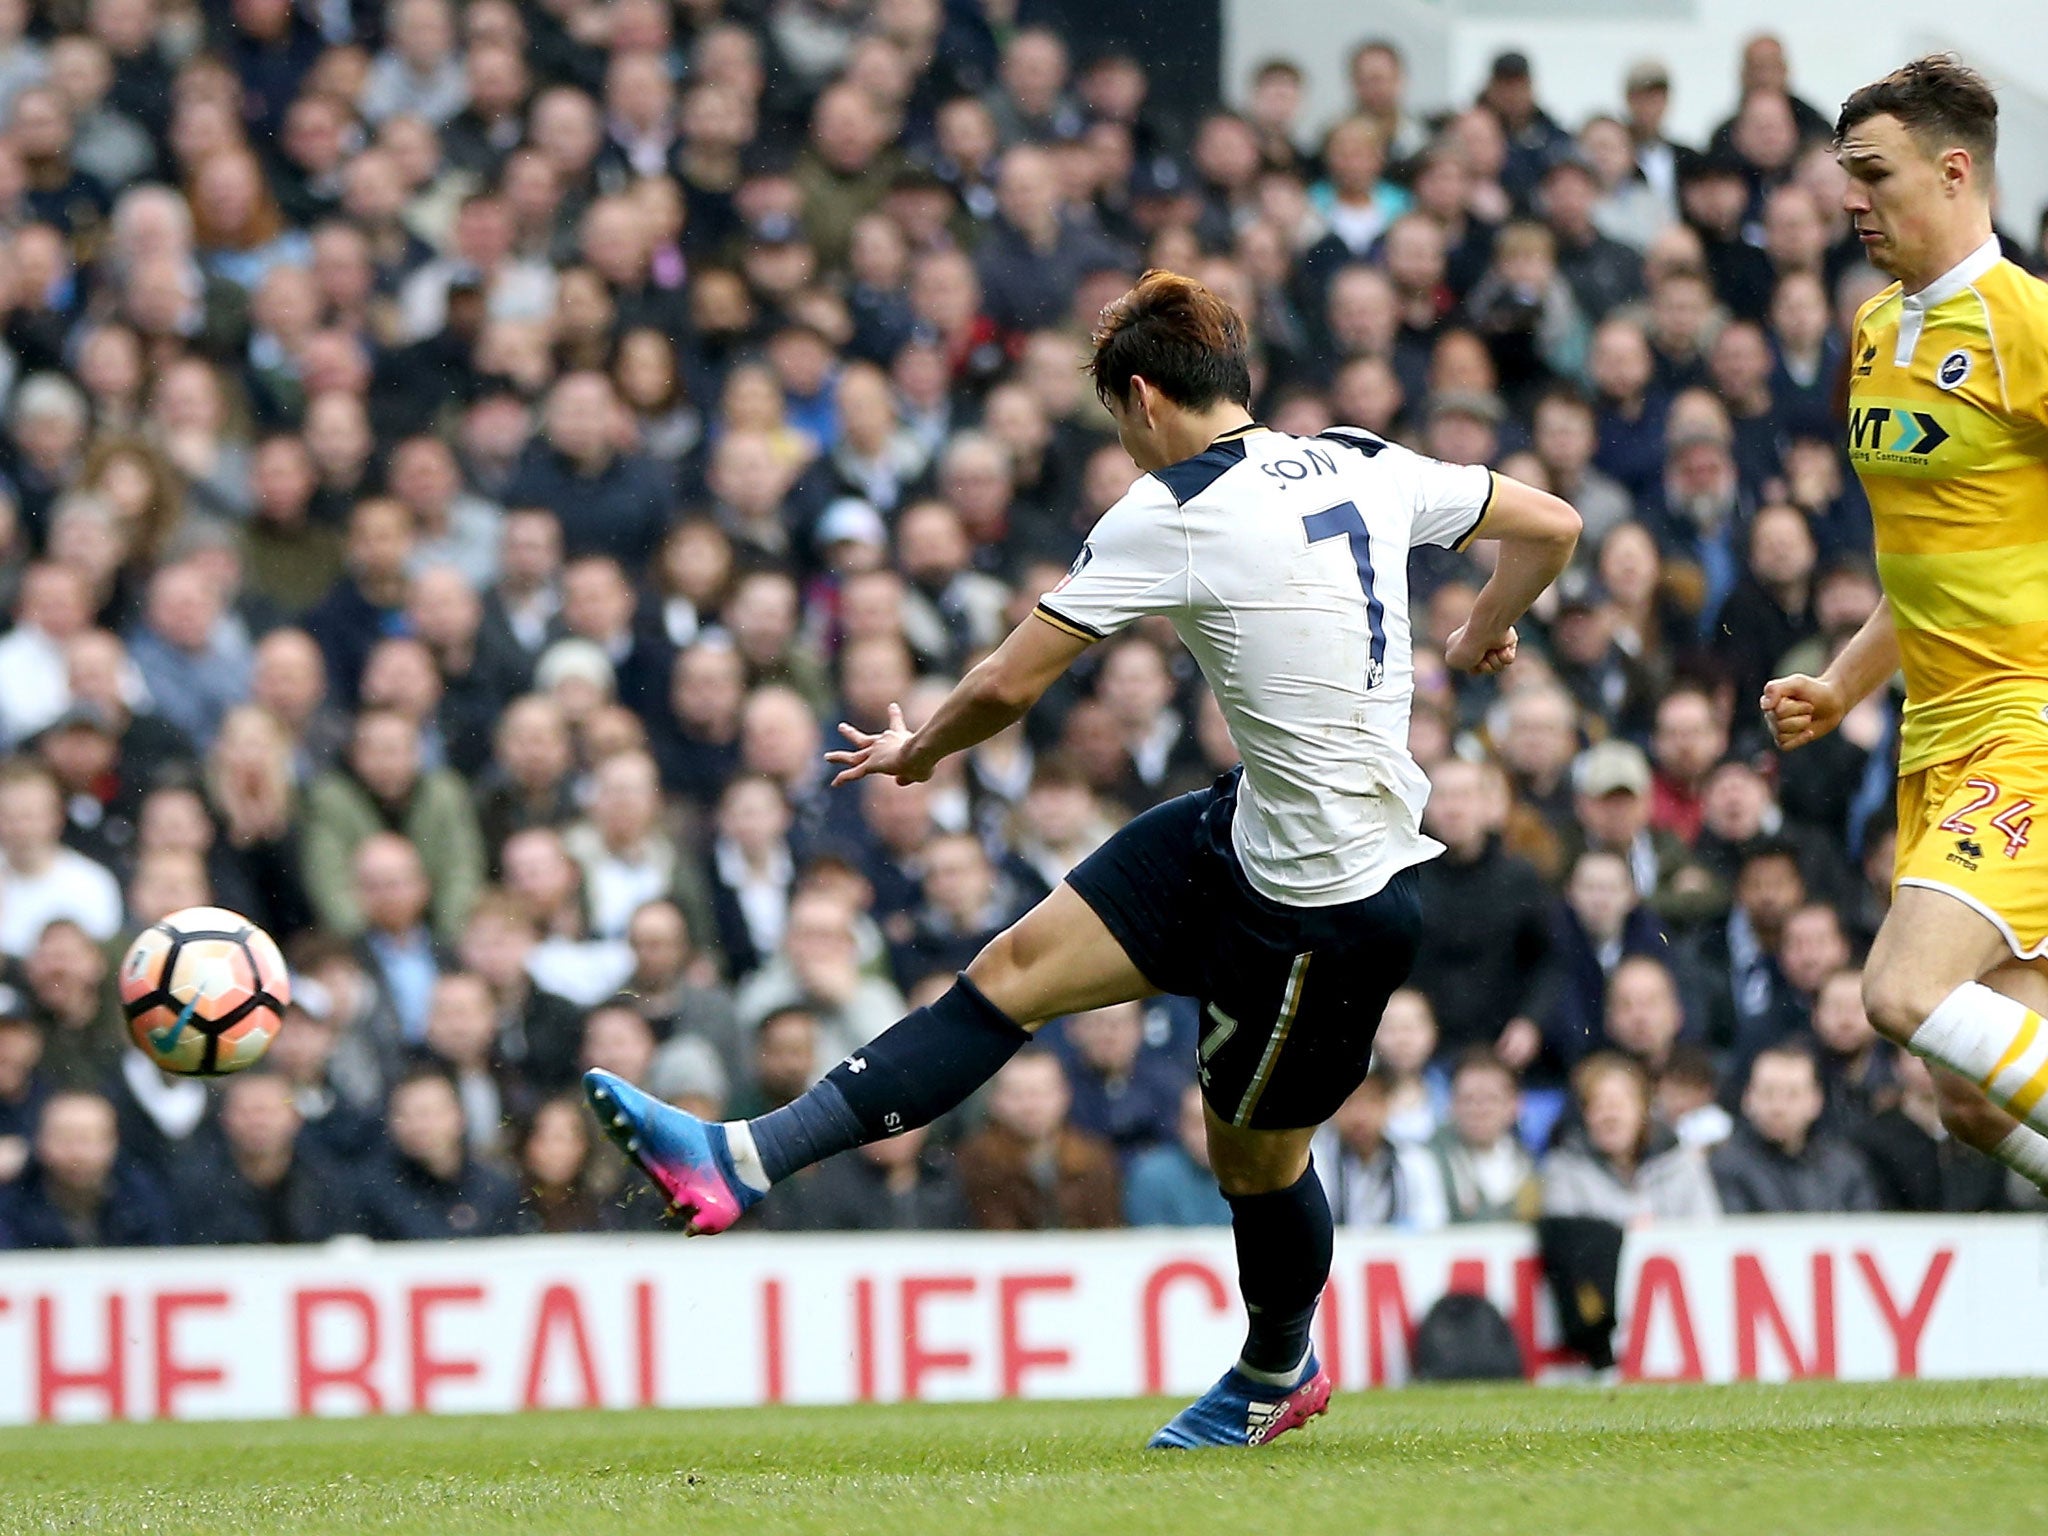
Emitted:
<point x="204" y="991"/>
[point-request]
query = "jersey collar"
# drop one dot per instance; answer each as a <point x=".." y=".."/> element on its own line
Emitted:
<point x="1237" y="432"/>
<point x="1957" y="277"/>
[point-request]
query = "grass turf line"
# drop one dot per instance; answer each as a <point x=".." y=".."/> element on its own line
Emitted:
<point x="1810" y="1458"/>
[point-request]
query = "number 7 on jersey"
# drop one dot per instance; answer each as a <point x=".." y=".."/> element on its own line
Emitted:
<point x="1345" y="521"/>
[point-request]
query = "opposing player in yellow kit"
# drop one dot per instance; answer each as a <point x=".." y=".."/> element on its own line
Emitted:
<point x="1948" y="429"/>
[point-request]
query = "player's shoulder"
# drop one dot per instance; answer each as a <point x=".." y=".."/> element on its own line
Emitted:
<point x="1875" y="307"/>
<point x="2009" y="287"/>
<point x="1180" y="483"/>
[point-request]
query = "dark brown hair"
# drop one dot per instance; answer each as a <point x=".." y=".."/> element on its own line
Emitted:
<point x="1182" y="339"/>
<point x="1940" y="100"/>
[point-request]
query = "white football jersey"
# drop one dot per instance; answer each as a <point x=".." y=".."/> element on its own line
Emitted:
<point x="1283" y="564"/>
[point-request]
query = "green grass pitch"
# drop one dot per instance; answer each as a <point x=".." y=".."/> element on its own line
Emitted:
<point x="1807" y="1459"/>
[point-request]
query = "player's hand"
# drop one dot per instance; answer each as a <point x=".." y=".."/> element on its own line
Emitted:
<point x="1477" y="654"/>
<point x="1800" y="709"/>
<point x="885" y="753"/>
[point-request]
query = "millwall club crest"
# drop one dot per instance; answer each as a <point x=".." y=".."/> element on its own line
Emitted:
<point x="1080" y="564"/>
<point x="1954" y="369"/>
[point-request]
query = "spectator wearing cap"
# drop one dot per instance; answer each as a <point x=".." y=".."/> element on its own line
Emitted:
<point x="1601" y="272"/>
<point x="1599" y="922"/>
<point x="1533" y="137"/>
<point x="608" y="501"/>
<point x="1462" y="426"/>
<point x="1611" y="784"/>
<point x="77" y="1190"/>
<point x="1779" y="1160"/>
<point x="1608" y="681"/>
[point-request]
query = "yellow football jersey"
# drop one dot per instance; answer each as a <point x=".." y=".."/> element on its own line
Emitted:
<point x="1948" y="429"/>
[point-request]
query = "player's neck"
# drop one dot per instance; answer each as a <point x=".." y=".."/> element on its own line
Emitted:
<point x="1947" y="256"/>
<point x="1191" y="432"/>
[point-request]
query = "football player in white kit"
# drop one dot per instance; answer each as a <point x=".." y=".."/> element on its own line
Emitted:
<point x="1283" y="898"/>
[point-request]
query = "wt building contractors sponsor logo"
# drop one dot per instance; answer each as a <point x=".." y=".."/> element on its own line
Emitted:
<point x="625" y="1322"/>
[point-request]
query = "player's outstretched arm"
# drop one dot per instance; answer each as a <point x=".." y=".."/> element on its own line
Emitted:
<point x="995" y="693"/>
<point x="1537" y="533"/>
<point x="1802" y="709"/>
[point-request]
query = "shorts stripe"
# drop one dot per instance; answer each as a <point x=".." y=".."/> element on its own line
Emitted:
<point x="1281" y="1026"/>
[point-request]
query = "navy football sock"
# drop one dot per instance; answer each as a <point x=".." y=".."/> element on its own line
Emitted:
<point x="1283" y="1261"/>
<point x="914" y="1071"/>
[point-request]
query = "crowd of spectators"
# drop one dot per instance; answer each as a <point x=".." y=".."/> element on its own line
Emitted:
<point x="459" y="460"/>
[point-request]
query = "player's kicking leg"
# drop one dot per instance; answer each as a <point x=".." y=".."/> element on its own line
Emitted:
<point x="1942" y="981"/>
<point x="1058" y="959"/>
<point x="1055" y="960"/>
<point x="1281" y="1221"/>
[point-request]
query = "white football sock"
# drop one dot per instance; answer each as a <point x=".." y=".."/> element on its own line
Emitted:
<point x="2025" y="1152"/>
<point x="746" y="1160"/>
<point x="1997" y="1043"/>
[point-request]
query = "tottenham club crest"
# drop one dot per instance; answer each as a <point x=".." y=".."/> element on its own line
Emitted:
<point x="1080" y="564"/>
<point x="1953" y="370"/>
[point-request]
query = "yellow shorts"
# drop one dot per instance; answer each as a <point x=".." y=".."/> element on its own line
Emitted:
<point x="1965" y="827"/>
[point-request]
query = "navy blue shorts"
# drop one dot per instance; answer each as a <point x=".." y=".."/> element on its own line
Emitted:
<point x="1291" y="996"/>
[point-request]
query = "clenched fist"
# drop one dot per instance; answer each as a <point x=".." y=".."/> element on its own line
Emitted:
<point x="1467" y="652"/>
<point x="1802" y="709"/>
